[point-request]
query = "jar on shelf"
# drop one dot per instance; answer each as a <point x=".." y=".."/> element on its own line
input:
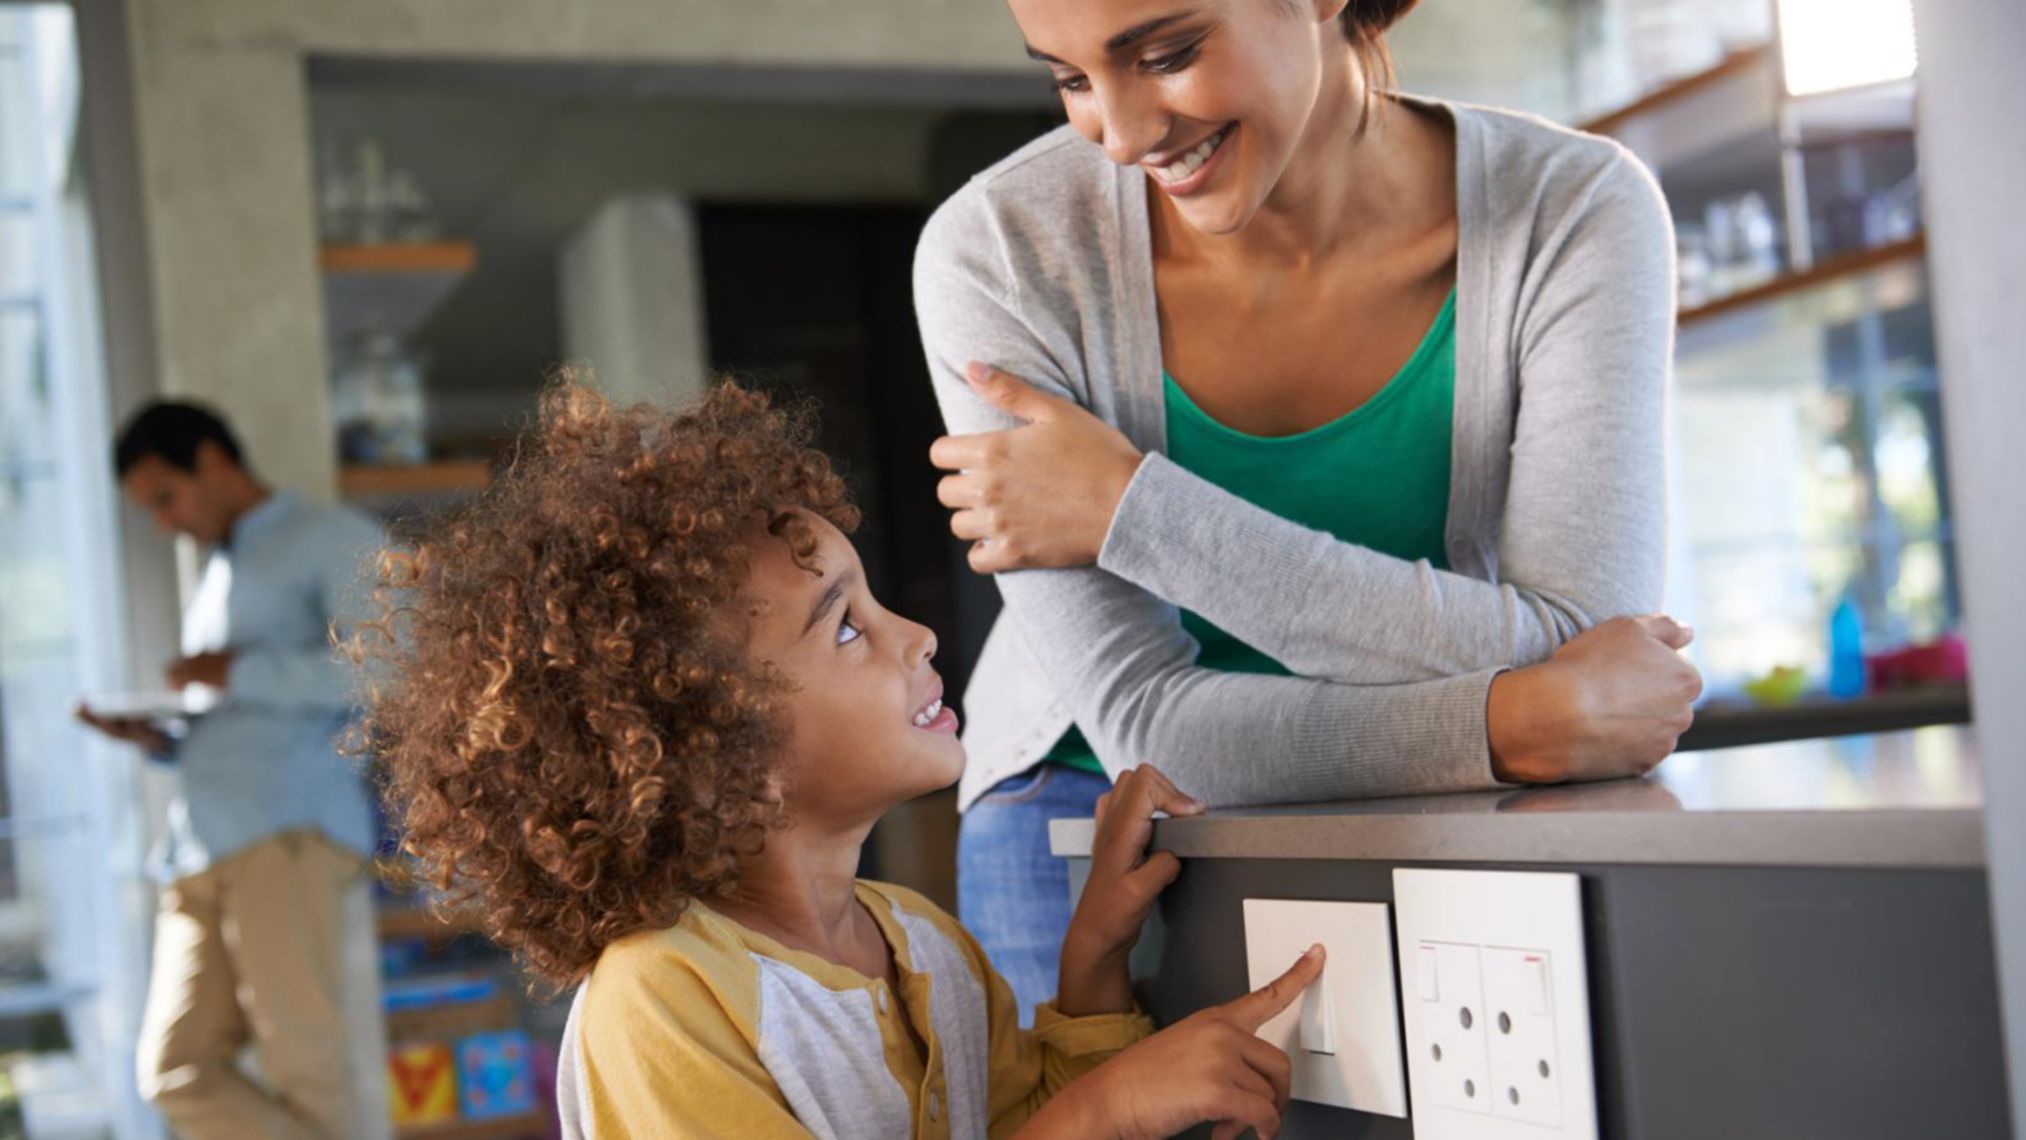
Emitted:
<point x="380" y="407"/>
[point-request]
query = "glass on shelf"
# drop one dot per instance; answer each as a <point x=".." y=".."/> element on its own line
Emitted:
<point x="363" y="200"/>
<point x="381" y="410"/>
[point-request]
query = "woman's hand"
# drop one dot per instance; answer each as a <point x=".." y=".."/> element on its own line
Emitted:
<point x="1124" y="881"/>
<point x="1039" y="495"/>
<point x="1612" y="702"/>
<point x="1211" y="1066"/>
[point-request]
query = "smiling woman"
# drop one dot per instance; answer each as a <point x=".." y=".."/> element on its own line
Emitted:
<point x="1335" y="415"/>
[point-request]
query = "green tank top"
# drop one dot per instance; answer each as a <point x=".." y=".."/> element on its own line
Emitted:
<point x="1378" y="477"/>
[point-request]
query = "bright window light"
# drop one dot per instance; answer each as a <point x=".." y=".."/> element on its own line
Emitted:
<point x="1828" y="45"/>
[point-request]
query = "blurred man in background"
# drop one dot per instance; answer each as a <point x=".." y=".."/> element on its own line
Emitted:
<point x="271" y="827"/>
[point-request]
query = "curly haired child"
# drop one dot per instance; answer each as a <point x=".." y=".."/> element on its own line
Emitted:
<point x="639" y="705"/>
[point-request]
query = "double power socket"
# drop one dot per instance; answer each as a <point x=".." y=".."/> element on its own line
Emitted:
<point x="1495" y="1002"/>
<point x="1488" y="1016"/>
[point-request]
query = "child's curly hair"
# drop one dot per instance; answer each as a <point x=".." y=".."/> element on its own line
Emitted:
<point x="569" y="736"/>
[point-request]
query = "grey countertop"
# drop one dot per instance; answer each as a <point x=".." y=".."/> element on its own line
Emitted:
<point x="1902" y="799"/>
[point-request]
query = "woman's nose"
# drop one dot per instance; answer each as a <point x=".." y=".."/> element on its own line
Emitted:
<point x="1132" y="124"/>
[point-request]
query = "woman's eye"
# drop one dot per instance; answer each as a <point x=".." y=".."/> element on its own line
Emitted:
<point x="1072" y="84"/>
<point x="1167" y="64"/>
<point x="847" y="632"/>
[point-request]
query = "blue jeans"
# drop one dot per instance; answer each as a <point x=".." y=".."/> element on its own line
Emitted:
<point x="1012" y="895"/>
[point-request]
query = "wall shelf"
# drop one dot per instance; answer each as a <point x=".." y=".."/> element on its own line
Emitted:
<point x="422" y="922"/>
<point x="456" y="257"/>
<point x="504" y="1128"/>
<point x="1736" y="65"/>
<point x="389" y="288"/>
<point x="1822" y="273"/>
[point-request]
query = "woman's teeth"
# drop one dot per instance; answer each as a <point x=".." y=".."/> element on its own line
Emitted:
<point x="1186" y="165"/>
<point x="929" y="714"/>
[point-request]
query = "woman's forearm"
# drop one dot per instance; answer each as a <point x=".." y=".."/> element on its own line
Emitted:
<point x="1327" y="608"/>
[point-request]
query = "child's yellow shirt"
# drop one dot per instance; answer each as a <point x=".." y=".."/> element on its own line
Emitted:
<point x="710" y="1029"/>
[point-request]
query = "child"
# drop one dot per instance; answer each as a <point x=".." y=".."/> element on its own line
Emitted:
<point x="640" y="705"/>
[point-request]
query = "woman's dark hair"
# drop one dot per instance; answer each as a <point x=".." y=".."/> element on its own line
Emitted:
<point x="1372" y="17"/>
<point x="172" y="432"/>
<point x="1365" y="23"/>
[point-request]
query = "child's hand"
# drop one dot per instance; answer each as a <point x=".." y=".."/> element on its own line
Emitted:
<point x="1210" y="1067"/>
<point x="1124" y="881"/>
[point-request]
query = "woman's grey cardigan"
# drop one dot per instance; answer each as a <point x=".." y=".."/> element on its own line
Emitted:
<point x="1564" y="335"/>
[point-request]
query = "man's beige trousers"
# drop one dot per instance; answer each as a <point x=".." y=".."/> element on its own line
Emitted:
<point x="252" y="952"/>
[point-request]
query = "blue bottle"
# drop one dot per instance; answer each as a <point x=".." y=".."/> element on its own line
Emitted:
<point x="1846" y="651"/>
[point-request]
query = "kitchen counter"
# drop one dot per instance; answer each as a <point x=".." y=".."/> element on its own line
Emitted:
<point x="1905" y="799"/>
<point x="1783" y="940"/>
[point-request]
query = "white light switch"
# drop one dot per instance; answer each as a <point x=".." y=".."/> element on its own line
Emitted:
<point x="1503" y="1053"/>
<point x="1343" y="1036"/>
<point x="1318" y="1028"/>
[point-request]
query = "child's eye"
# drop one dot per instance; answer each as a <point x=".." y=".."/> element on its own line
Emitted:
<point x="847" y="632"/>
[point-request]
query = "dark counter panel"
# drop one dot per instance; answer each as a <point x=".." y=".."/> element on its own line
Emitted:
<point x="1785" y="1003"/>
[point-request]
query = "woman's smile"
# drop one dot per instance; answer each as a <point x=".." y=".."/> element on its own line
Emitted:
<point x="1191" y="170"/>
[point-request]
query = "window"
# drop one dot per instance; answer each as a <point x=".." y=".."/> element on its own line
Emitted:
<point x="70" y="944"/>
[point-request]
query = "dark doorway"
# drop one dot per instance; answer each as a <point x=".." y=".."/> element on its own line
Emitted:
<point x="814" y="302"/>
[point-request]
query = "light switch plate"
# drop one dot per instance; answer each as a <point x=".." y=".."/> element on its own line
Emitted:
<point x="1351" y="1009"/>
<point x="1498" y="1041"/>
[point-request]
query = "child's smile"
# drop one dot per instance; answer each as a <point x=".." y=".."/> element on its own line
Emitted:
<point x="933" y="716"/>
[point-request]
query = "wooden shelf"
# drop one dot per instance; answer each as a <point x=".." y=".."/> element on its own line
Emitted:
<point x="505" y="1128"/>
<point x="420" y="922"/>
<point x="359" y="481"/>
<point x="389" y="288"/>
<point x="1736" y="64"/>
<point x="1823" y="272"/>
<point x="1705" y="117"/>
<point x="457" y="257"/>
<point x="453" y="1022"/>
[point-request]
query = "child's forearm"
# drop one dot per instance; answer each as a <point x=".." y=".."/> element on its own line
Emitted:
<point x="1093" y="980"/>
<point x="1071" y="1114"/>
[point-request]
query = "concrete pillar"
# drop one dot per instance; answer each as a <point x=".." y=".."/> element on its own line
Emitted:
<point x="1972" y="139"/>
<point x="231" y="239"/>
<point x="631" y="288"/>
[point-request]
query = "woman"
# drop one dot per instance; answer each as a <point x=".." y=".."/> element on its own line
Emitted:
<point x="1319" y="422"/>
